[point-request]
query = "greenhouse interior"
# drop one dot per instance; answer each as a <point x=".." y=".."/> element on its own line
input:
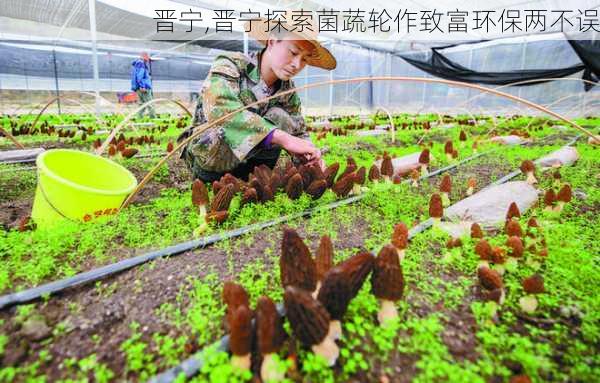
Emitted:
<point x="299" y="191"/>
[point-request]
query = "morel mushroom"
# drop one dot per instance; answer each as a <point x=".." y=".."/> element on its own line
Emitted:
<point x="249" y="196"/>
<point x="448" y="149"/>
<point x="294" y="187"/>
<point x="532" y="285"/>
<point x="359" y="180"/>
<point x="296" y="265"/>
<point x="513" y="211"/>
<point x="310" y="322"/>
<point x="222" y="199"/>
<point x="335" y="294"/>
<point x="317" y="188"/>
<point x="436" y="208"/>
<point x="344" y="185"/>
<point x="528" y="168"/>
<point x="374" y="174"/>
<point x="462" y="137"/>
<point x="484" y="250"/>
<point x="414" y="175"/>
<point x="240" y="337"/>
<point x="387" y="169"/>
<point x="471" y="183"/>
<point x="550" y="199"/>
<point x="564" y="196"/>
<point x="217" y="217"/>
<point x="330" y="173"/>
<point x="324" y="258"/>
<point x="400" y="239"/>
<point x="498" y="259"/>
<point x="476" y="231"/>
<point x="129" y="152"/>
<point x="200" y="200"/>
<point x="424" y="161"/>
<point x="234" y="296"/>
<point x="492" y="281"/>
<point x="170" y="147"/>
<point x="387" y="282"/>
<point x="516" y="250"/>
<point x="357" y="269"/>
<point x="513" y="228"/>
<point x="445" y="189"/>
<point x="270" y="335"/>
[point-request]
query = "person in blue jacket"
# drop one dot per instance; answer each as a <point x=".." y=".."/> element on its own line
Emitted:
<point x="141" y="83"/>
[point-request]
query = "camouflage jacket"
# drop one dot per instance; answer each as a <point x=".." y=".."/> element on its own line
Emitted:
<point x="232" y="82"/>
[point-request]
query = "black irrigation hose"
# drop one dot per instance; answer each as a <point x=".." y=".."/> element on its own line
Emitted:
<point x="104" y="271"/>
<point x="194" y="363"/>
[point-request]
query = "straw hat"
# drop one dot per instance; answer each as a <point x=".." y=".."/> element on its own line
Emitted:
<point x="260" y="30"/>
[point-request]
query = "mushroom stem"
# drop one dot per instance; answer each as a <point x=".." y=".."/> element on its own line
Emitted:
<point x="356" y="189"/>
<point x="387" y="179"/>
<point x="445" y="199"/>
<point x="424" y="171"/>
<point x="335" y="330"/>
<point x="531" y="178"/>
<point x="482" y="263"/>
<point x="328" y="350"/>
<point x="241" y="361"/>
<point x="316" y="293"/>
<point x="387" y="311"/>
<point x="269" y="370"/>
<point x="203" y="225"/>
<point x="415" y="183"/>
<point x="401" y="253"/>
<point x="449" y="157"/>
<point x="528" y="303"/>
<point x="559" y="206"/>
<point x="549" y="208"/>
<point x="499" y="268"/>
<point x="436" y="221"/>
<point x="470" y="191"/>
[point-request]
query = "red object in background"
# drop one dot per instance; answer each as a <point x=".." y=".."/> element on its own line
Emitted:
<point x="127" y="97"/>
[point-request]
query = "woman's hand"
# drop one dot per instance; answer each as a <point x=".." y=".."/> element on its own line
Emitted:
<point x="298" y="147"/>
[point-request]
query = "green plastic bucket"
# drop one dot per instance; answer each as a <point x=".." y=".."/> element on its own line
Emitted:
<point x="78" y="186"/>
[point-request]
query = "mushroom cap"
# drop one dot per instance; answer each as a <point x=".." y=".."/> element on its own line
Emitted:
<point x="269" y="326"/>
<point x="513" y="211"/>
<point x="513" y="228"/>
<point x="357" y="269"/>
<point x="484" y="250"/>
<point x="249" y="196"/>
<point x="565" y="194"/>
<point x="448" y="147"/>
<point x="414" y="174"/>
<point x="317" y="188"/>
<point x="515" y="245"/>
<point x="533" y="284"/>
<point x="436" y="209"/>
<point x="275" y="181"/>
<point x="297" y="266"/>
<point x="532" y="222"/>
<point x="387" y="169"/>
<point x="424" y="157"/>
<point x="387" y="280"/>
<point x="498" y="255"/>
<point x="476" y="231"/>
<point x="234" y="295"/>
<point x="374" y="173"/>
<point x="360" y="176"/>
<point x="217" y="216"/>
<point x="289" y="172"/>
<point x="462" y="136"/>
<point x="307" y="176"/>
<point x="490" y="279"/>
<point x="331" y="172"/>
<point x="308" y="317"/>
<point x="446" y="184"/>
<point x="129" y="152"/>
<point x="199" y="193"/>
<point x="527" y="166"/>
<point x="324" y="257"/>
<point x="349" y="170"/>
<point x="222" y="199"/>
<point x="400" y="236"/>
<point x="316" y="172"/>
<point x="550" y="197"/>
<point x="343" y="186"/>
<point x="350" y="161"/>
<point x="240" y="331"/>
<point x="471" y="182"/>
<point x="294" y="187"/>
<point x="336" y="292"/>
